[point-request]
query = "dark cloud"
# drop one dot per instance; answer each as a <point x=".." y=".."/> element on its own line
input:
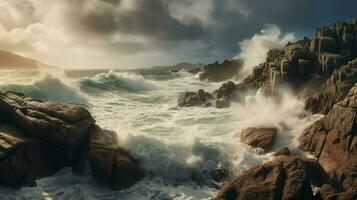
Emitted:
<point x="301" y="16"/>
<point x="149" y="18"/>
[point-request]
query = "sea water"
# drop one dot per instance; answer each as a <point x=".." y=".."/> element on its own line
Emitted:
<point x="178" y="148"/>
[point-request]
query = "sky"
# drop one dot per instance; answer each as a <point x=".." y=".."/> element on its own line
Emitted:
<point x="141" y="33"/>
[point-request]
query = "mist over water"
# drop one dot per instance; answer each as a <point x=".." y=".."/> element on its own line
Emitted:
<point x="179" y="148"/>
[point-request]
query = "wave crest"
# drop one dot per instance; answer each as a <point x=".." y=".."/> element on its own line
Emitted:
<point x="49" y="88"/>
<point x="113" y="81"/>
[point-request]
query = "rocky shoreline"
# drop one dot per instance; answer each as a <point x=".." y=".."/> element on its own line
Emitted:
<point x="39" y="138"/>
<point x="323" y="72"/>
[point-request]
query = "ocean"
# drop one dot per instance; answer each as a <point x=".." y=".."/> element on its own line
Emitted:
<point x="179" y="148"/>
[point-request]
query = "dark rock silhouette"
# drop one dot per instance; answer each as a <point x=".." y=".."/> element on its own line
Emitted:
<point x="217" y="72"/>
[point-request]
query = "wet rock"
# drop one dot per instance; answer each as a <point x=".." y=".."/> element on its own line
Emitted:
<point x="333" y="140"/>
<point x="64" y="127"/>
<point x="333" y="90"/>
<point x="283" y="178"/>
<point x="109" y="163"/>
<point x="216" y="72"/>
<point x="23" y="160"/>
<point x="263" y="138"/>
<point x="223" y="102"/>
<point x="283" y="152"/>
<point x="195" y="71"/>
<point x="194" y="98"/>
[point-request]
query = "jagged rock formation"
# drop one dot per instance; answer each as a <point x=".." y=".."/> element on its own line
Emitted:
<point x="38" y="138"/>
<point x="305" y="64"/>
<point x="263" y="138"/>
<point x="284" y="178"/>
<point x="194" y="99"/>
<point x="217" y="72"/>
<point x="333" y="140"/>
<point x="334" y="89"/>
<point x="110" y="164"/>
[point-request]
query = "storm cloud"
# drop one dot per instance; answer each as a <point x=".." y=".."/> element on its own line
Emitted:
<point x="133" y="33"/>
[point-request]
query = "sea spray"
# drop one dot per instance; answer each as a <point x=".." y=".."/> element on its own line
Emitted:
<point x="48" y="87"/>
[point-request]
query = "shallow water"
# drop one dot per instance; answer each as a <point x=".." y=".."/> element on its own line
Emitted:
<point x="179" y="148"/>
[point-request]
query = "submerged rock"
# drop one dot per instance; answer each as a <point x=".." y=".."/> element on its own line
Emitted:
<point x="110" y="164"/>
<point x="333" y="140"/>
<point x="263" y="138"/>
<point x="283" y="178"/>
<point x="194" y="98"/>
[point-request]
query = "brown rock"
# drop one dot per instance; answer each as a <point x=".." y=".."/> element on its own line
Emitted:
<point x="333" y="90"/>
<point x="263" y="138"/>
<point x="283" y="152"/>
<point x="194" y="98"/>
<point x="333" y="140"/>
<point x="109" y="163"/>
<point x="64" y="127"/>
<point x="23" y="160"/>
<point x="283" y="178"/>
<point x="220" y="72"/>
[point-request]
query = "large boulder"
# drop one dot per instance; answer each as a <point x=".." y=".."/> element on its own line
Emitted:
<point x="217" y="72"/>
<point x="66" y="128"/>
<point x="333" y="140"/>
<point x="23" y="160"/>
<point x="285" y="178"/>
<point x="109" y="163"/>
<point x="194" y="98"/>
<point x="263" y="138"/>
<point x="333" y="90"/>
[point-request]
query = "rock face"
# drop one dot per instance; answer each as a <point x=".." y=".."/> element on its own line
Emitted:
<point x="224" y="94"/>
<point x="194" y="98"/>
<point x="334" y="89"/>
<point x="333" y="140"/>
<point x="263" y="138"/>
<point x="38" y="138"/>
<point x="109" y="163"/>
<point x="23" y="160"/>
<point x="283" y="178"/>
<point x="64" y="127"/>
<point x="219" y="72"/>
<point x="305" y="61"/>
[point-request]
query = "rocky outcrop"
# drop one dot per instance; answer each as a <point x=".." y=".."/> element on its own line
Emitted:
<point x="64" y="127"/>
<point x="38" y="138"/>
<point x="195" y="71"/>
<point x="217" y="72"/>
<point x="284" y="178"/>
<point x="23" y="160"/>
<point x="333" y="140"/>
<point x="334" y="89"/>
<point x="194" y="99"/>
<point x="224" y="94"/>
<point x="110" y="164"/>
<point x="263" y="138"/>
